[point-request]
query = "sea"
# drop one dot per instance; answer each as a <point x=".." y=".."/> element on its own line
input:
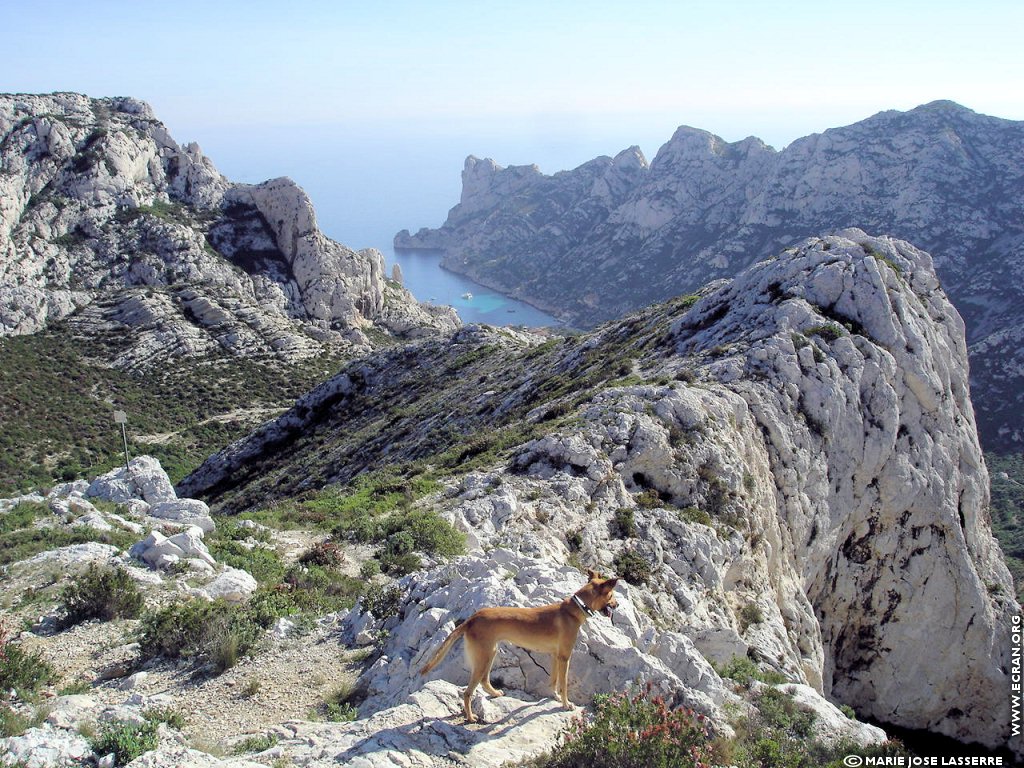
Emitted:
<point x="429" y="282"/>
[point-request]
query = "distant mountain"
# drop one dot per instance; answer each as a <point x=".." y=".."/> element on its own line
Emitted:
<point x="616" y="234"/>
<point x="107" y="223"/>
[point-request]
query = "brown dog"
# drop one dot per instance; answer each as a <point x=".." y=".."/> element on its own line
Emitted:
<point x="549" y="629"/>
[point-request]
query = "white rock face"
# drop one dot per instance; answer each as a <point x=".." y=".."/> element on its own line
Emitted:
<point x="608" y="655"/>
<point x="106" y="221"/>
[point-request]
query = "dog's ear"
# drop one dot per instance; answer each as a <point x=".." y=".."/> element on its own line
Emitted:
<point x="593" y="575"/>
<point x="609" y="585"/>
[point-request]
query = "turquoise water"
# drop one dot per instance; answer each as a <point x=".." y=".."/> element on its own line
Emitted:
<point x="423" y="275"/>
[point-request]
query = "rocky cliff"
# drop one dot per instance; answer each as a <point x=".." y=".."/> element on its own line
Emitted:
<point x="785" y="468"/>
<point x="614" y="235"/>
<point x="107" y="223"/>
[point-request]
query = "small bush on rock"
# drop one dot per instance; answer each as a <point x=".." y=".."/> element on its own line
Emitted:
<point x="649" y="499"/>
<point x="633" y="567"/>
<point x="14" y="723"/>
<point x="744" y="671"/>
<point x="383" y="601"/>
<point x="126" y="741"/>
<point x="102" y="593"/>
<point x="624" y="523"/>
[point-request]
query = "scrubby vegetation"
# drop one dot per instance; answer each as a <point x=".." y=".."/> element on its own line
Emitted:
<point x="30" y="528"/>
<point x="25" y="674"/>
<point x="744" y="671"/>
<point x="56" y="408"/>
<point x="216" y="634"/>
<point x="633" y="731"/>
<point x="125" y="740"/>
<point x="1006" y="473"/>
<point x="641" y="730"/>
<point x="101" y="593"/>
<point x="633" y="567"/>
<point x="21" y="671"/>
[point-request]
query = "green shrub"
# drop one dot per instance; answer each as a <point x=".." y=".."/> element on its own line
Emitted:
<point x="341" y="706"/>
<point x="649" y="499"/>
<point x="399" y="564"/>
<point x="22" y="515"/>
<point x="826" y="331"/>
<point x="25" y="542"/>
<point x="382" y="601"/>
<point x="75" y="688"/>
<point x="262" y="562"/>
<point x="695" y="515"/>
<point x="744" y="671"/>
<point x="341" y="712"/>
<point x="216" y="634"/>
<point x="369" y="569"/>
<point x="24" y="672"/>
<point x="254" y="744"/>
<point x="172" y="717"/>
<point x="13" y="723"/>
<point x="624" y="523"/>
<point x="750" y="614"/>
<point x="102" y="593"/>
<point x="125" y="740"/>
<point x="633" y="567"/>
<point x="633" y="731"/>
<point x="321" y="590"/>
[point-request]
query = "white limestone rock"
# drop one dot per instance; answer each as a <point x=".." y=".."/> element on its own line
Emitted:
<point x="143" y="479"/>
<point x="188" y="512"/>
<point x="233" y="585"/>
<point x="108" y="223"/>
<point x="45" y="747"/>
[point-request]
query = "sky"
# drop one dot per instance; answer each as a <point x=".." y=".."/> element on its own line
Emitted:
<point x="373" y="106"/>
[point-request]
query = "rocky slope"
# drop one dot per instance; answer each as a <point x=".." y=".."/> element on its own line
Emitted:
<point x="786" y="469"/>
<point x="107" y="223"/>
<point x="614" y="235"/>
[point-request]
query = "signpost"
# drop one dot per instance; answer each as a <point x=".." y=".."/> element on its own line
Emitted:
<point x="120" y="417"/>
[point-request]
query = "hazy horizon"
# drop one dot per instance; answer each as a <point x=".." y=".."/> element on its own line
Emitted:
<point x="373" y="109"/>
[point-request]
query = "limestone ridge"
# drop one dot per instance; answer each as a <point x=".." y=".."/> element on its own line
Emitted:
<point x="797" y="447"/>
<point x="107" y="222"/>
<point x="940" y="176"/>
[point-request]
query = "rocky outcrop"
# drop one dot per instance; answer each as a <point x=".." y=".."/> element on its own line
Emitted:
<point x="795" y="453"/>
<point x="106" y="221"/>
<point x="940" y="176"/>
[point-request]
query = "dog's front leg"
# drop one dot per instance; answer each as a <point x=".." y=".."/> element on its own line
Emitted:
<point x="562" y="674"/>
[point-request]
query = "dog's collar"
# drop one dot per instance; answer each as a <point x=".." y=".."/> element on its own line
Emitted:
<point x="588" y="612"/>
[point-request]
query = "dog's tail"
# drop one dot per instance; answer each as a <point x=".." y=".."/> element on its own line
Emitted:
<point x="446" y="646"/>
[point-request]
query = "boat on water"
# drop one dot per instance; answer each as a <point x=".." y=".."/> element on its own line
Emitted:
<point x="467" y="295"/>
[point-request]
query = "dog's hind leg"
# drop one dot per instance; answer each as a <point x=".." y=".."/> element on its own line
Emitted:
<point x="487" y="675"/>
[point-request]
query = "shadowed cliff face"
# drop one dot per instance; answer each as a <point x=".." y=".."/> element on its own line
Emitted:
<point x="798" y="453"/>
<point x="940" y="176"/>
<point x="106" y="221"/>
